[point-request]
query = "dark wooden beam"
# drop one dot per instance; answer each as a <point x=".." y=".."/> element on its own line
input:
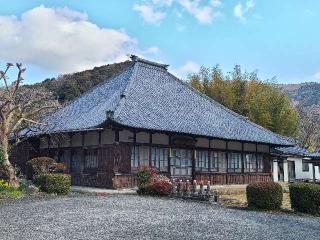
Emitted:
<point x="150" y="149"/>
<point x="116" y="135"/>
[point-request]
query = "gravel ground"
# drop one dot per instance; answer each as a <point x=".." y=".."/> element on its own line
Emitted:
<point x="134" y="217"/>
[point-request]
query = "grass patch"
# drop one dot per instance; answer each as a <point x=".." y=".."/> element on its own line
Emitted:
<point x="240" y="200"/>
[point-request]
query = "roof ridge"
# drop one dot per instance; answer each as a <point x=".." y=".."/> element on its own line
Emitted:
<point x="224" y="107"/>
<point x="118" y="107"/>
<point x="135" y="58"/>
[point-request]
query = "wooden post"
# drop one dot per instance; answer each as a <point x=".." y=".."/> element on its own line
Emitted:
<point x="83" y="151"/>
<point x="256" y="158"/>
<point x="169" y="156"/>
<point x="150" y="149"/>
<point x="209" y="156"/>
<point x="313" y="173"/>
<point x="49" y="142"/>
<point x="242" y="162"/>
<point x="227" y="161"/>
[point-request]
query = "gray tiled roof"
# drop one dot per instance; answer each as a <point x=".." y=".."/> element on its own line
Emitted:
<point x="147" y="96"/>
<point x="296" y="151"/>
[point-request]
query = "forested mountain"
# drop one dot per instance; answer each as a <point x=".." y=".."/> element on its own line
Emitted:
<point x="69" y="86"/>
<point x="306" y="95"/>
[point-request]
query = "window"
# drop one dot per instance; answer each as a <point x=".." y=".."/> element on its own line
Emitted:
<point x="181" y="162"/>
<point x="90" y="160"/>
<point x="305" y="166"/>
<point x="159" y="158"/>
<point x="208" y="160"/>
<point x="215" y="158"/>
<point x="139" y="156"/>
<point x="202" y="160"/>
<point x="234" y="162"/>
<point x="260" y="162"/>
<point x="250" y="162"/>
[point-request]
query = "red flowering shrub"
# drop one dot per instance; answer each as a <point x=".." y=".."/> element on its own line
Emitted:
<point x="159" y="186"/>
<point x="144" y="176"/>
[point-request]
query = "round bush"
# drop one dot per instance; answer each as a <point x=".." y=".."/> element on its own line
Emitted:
<point x="265" y="195"/>
<point x="159" y="186"/>
<point x="305" y="197"/>
<point x="58" y="183"/>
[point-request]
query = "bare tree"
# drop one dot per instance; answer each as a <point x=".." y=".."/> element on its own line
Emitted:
<point x="308" y="128"/>
<point x="21" y="107"/>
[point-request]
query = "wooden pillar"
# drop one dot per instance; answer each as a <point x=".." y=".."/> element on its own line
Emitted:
<point x="209" y="155"/>
<point x="227" y="159"/>
<point x="49" y="142"/>
<point x="242" y="162"/>
<point x="83" y="151"/>
<point x="256" y="158"/>
<point x="99" y="138"/>
<point x="116" y="135"/>
<point x="150" y="149"/>
<point x="169" y="156"/>
<point x="71" y="151"/>
<point x="313" y="173"/>
<point x="193" y="162"/>
<point x="134" y="145"/>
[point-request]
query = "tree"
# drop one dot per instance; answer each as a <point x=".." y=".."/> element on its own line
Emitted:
<point x="21" y="107"/>
<point x="247" y="95"/>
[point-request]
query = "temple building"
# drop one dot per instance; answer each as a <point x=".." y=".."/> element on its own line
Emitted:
<point x="147" y="116"/>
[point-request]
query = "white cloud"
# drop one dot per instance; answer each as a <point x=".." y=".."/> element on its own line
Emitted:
<point x="163" y="2"/>
<point x="204" y="14"/>
<point x="216" y="3"/>
<point x="239" y="11"/>
<point x="154" y="50"/>
<point x="317" y="75"/>
<point x="187" y="68"/>
<point x="61" y="40"/>
<point x="148" y="14"/>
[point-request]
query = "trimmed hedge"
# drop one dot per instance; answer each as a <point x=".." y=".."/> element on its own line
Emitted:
<point x="305" y="197"/>
<point x="58" y="183"/>
<point x="264" y="195"/>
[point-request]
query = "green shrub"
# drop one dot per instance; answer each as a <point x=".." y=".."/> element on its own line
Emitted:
<point x="305" y="197"/>
<point x="264" y="195"/>
<point x="144" y="175"/>
<point x="58" y="183"/>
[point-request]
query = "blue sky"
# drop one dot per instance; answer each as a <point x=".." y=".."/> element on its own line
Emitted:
<point x="277" y="38"/>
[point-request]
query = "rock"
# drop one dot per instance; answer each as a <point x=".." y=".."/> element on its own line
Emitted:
<point x="31" y="189"/>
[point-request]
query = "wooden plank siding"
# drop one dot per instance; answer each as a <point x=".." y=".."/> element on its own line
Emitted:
<point x="114" y="159"/>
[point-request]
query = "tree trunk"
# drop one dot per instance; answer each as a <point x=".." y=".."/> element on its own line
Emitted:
<point x="8" y="169"/>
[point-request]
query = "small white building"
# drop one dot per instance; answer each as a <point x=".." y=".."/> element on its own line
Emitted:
<point x="292" y="164"/>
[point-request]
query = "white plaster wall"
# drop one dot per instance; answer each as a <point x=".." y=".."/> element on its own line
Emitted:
<point x="107" y="136"/>
<point x="54" y="141"/>
<point x="275" y="171"/>
<point x="220" y="144"/>
<point x="250" y="147"/>
<point x="301" y="174"/>
<point x="263" y="148"/>
<point x="91" y="139"/>
<point x="126" y="136"/>
<point x="142" y="137"/>
<point x="159" y="138"/>
<point x="202" y="142"/>
<point x="234" y="146"/>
